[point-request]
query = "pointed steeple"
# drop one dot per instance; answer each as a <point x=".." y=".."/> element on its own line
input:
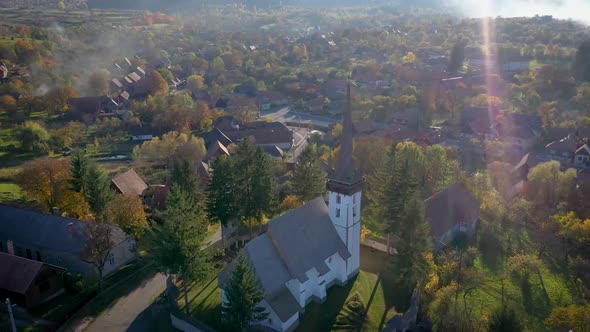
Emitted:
<point x="344" y="172"/>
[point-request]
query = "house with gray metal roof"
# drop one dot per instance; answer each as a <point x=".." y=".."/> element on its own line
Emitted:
<point x="57" y="240"/>
<point x="307" y="250"/>
<point x="451" y="212"/>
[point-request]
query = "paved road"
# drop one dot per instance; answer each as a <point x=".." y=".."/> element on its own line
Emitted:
<point x="287" y="114"/>
<point x="124" y="312"/>
<point x="120" y="316"/>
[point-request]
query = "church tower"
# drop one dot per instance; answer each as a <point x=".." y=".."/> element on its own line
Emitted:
<point x="344" y="187"/>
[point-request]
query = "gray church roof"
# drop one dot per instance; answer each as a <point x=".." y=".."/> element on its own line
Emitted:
<point x="306" y="237"/>
<point x="295" y="242"/>
<point x="271" y="270"/>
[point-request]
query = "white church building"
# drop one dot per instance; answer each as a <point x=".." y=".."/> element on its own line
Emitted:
<point x="307" y="250"/>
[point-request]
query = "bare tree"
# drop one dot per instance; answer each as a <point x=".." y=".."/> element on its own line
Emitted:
<point x="98" y="246"/>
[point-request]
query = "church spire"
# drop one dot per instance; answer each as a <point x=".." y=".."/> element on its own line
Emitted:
<point x="344" y="172"/>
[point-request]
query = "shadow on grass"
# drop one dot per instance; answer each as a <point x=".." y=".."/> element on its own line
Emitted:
<point x="395" y="295"/>
<point x="322" y="316"/>
<point x="199" y="293"/>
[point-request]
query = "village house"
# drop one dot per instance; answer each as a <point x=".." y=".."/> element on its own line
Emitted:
<point x="29" y="283"/>
<point x="270" y="99"/>
<point x="87" y="109"/>
<point x="562" y="150"/>
<point x="521" y="131"/>
<point x="582" y="157"/>
<point x="311" y="248"/>
<point x="317" y="104"/>
<point x="274" y="152"/>
<point x="450" y="212"/>
<point x="57" y="240"/>
<point x="516" y="64"/>
<point x="129" y="183"/>
<point x="216" y="135"/>
<point x="263" y="133"/>
<point x="214" y="150"/>
<point x="141" y="132"/>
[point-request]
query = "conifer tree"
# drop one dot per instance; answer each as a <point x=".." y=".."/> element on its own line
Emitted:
<point x="222" y="193"/>
<point x="256" y="184"/>
<point x="177" y="244"/>
<point x="414" y="243"/>
<point x="309" y="181"/>
<point x="185" y="176"/>
<point x="97" y="190"/>
<point x="78" y="170"/>
<point x="243" y="294"/>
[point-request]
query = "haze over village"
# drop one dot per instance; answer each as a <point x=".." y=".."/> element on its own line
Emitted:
<point x="294" y="165"/>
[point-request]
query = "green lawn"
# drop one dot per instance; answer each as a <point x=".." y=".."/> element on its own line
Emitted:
<point x="204" y="302"/>
<point x="531" y="301"/>
<point x="9" y="192"/>
<point x="374" y="284"/>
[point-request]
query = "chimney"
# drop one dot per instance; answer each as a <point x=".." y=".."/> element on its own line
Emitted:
<point x="10" y="247"/>
<point x="55" y="211"/>
<point x="71" y="229"/>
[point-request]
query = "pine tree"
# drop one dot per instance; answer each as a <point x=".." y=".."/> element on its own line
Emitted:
<point x="393" y="185"/>
<point x="177" y="244"/>
<point x="242" y="297"/>
<point x="97" y="190"/>
<point x="184" y="175"/>
<point x="78" y="170"/>
<point x="309" y="181"/>
<point x="457" y="57"/>
<point x="222" y="193"/>
<point x="256" y="184"/>
<point x="414" y="243"/>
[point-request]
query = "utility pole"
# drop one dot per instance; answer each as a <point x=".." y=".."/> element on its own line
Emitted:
<point x="12" y="323"/>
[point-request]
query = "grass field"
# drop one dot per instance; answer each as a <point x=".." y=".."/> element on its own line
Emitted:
<point x="532" y="298"/>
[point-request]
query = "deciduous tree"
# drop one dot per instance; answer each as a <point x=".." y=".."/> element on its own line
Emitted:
<point x="157" y="85"/>
<point x="173" y="146"/>
<point x="98" y="247"/>
<point x="46" y="180"/>
<point x="99" y="82"/>
<point x="127" y="212"/>
<point x="58" y="98"/>
<point x="194" y="83"/>
<point x="33" y="137"/>
<point x="573" y="318"/>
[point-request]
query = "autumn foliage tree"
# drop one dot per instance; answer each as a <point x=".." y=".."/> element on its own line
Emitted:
<point x="99" y="82"/>
<point x="127" y="212"/>
<point x="47" y="181"/>
<point x="173" y="146"/>
<point x="157" y="85"/>
<point x="194" y="83"/>
<point x="58" y="98"/>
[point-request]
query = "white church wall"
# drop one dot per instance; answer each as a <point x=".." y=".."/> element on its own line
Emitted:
<point x="345" y="212"/>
